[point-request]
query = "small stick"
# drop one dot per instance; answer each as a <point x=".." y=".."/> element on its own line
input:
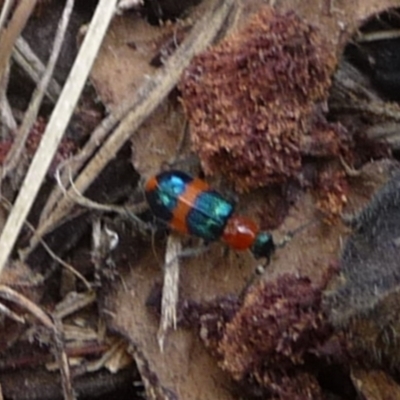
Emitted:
<point x="380" y="109"/>
<point x="63" y="361"/>
<point x="116" y="346"/>
<point x="9" y="35"/>
<point x="51" y="253"/>
<point x="83" y="201"/>
<point x="28" y="305"/>
<point x="11" y="314"/>
<point x="24" y="56"/>
<point x="170" y="291"/>
<point x="5" y="11"/>
<point x="380" y="35"/>
<point x="8" y="122"/>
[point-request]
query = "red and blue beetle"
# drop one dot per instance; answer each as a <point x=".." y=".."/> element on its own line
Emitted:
<point x="190" y="206"/>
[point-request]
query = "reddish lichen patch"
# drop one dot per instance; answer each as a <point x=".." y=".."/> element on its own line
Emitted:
<point x="331" y="193"/>
<point x="269" y="338"/>
<point x="251" y="98"/>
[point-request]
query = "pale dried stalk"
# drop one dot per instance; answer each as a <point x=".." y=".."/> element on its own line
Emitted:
<point x="28" y="305"/>
<point x="56" y="126"/>
<point x="98" y="364"/>
<point x="5" y="311"/>
<point x="8" y="123"/>
<point x="5" y="11"/>
<point x="24" y="56"/>
<point x="170" y="291"/>
<point x="63" y="361"/>
<point x="51" y="253"/>
<point x="144" y="102"/>
<point x="14" y="155"/>
<point x="10" y="34"/>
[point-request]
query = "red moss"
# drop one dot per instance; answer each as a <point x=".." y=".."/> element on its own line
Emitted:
<point x="251" y="99"/>
<point x="331" y="193"/>
<point x="279" y="324"/>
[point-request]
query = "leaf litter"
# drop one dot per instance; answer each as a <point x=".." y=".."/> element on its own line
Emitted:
<point x="216" y="295"/>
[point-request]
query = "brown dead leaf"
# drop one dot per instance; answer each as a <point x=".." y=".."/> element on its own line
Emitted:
<point x="124" y="60"/>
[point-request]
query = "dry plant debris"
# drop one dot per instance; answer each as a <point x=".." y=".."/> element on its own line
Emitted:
<point x="252" y="99"/>
<point x="363" y="301"/>
<point x="258" y="95"/>
<point x="269" y="339"/>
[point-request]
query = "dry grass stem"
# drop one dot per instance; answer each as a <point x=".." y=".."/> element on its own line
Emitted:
<point x="79" y="301"/>
<point x="10" y="34"/>
<point x="98" y="364"/>
<point x="9" y="294"/>
<point x="83" y="201"/>
<point x="170" y="292"/>
<point x="56" y="126"/>
<point x="53" y="255"/>
<point x="5" y="11"/>
<point x="14" y="155"/>
<point x="379" y="109"/>
<point x="24" y="56"/>
<point x="8" y="123"/>
<point x="63" y="362"/>
<point x="379" y="35"/>
<point x="11" y="314"/>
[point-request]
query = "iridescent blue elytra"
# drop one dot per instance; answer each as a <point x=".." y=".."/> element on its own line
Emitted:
<point x="209" y="215"/>
<point x="188" y="205"/>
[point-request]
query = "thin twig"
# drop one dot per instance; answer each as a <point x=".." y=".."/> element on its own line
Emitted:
<point x="98" y="364"/>
<point x="379" y="35"/>
<point x="51" y="253"/>
<point x="56" y="126"/>
<point x="7" y="118"/>
<point x="11" y="314"/>
<point x="143" y="103"/>
<point x="17" y="298"/>
<point x="62" y="360"/>
<point x="83" y="201"/>
<point x="24" y="56"/>
<point x="379" y="109"/>
<point x="350" y="171"/>
<point x="5" y="11"/>
<point x="170" y="291"/>
<point x="67" y="307"/>
<point x="9" y="35"/>
<point x="28" y="305"/>
<point x="14" y="155"/>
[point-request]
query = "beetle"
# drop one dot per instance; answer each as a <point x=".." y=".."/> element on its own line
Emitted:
<point x="188" y="205"/>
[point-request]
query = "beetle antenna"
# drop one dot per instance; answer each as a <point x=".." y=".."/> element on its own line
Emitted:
<point x="291" y="234"/>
